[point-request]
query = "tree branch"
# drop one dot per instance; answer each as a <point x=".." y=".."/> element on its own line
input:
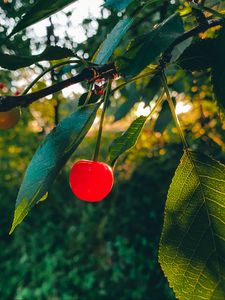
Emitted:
<point x="199" y="15"/>
<point x="92" y="73"/>
<point x="166" y="57"/>
<point x="88" y="74"/>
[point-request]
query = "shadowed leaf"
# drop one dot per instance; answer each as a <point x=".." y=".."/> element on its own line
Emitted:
<point x="40" y="10"/>
<point x="144" y="49"/>
<point x="198" y="56"/>
<point x="49" y="159"/>
<point x="14" y="62"/>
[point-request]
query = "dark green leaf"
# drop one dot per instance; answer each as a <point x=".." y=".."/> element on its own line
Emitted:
<point x="124" y="108"/>
<point x="93" y="99"/>
<point x="218" y="81"/>
<point x="40" y="10"/>
<point x="144" y="49"/>
<point x="111" y="42"/>
<point x="151" y="89"/>
<point x="117" y="5"/>
<point x="49" y="159"/>
<point x="198" y="56"/>
<point x="14" y="62"/>
<point x="218" y="69"/>
<point x="180" y="48"/>
<point x="164" y="118"/>
<point x="192" y="247"/>
<point x="127" y="140"/>
<point x="132" y="97"/>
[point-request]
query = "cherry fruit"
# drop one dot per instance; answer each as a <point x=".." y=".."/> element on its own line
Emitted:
<point x="91" y="180"/>
<point x="9" y="119"/>
<point x="2" y="85"/>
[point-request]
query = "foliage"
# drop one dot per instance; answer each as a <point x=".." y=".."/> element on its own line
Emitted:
<point x="192" y="256"/>
<point x="158" y="40"/>
<point x="77" y="250"/>
<point x="145" y="48"/>
<point x="62" y="142"/>
<point x="14" y="62"/>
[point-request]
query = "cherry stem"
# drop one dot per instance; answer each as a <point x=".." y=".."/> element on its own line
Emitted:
<point x="106" y="101"/>
<point x="173" y="111"/>
<point x="157" y="104"/>
<point x="147" y="74"/>
<point x="89" y="94"/>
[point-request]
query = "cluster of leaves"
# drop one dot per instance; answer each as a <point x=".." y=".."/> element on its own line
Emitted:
<point x="79" y="250"/>
<point x="194" y="214"/>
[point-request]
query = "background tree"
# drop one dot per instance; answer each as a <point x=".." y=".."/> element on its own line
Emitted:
<point x="165" y="60"/>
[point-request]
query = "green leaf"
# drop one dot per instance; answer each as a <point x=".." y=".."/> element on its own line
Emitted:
<point x="125" y="108"/>
<point x="14" y="62"/>
<point x="192" y="246"/>
<point x="127" y="140"/>
<point x="144" y="49"/>
<point x="93" y="98"/>
<point x="218" y="81"/>
<point x="117" y="5"/>
<point x="218" y="69"/>
<point x="111" y="42"/>
<point x="40" y="10"/>
<point x="180" y="48"/>
<point x="151" y="89"/>
<point x="165" y="117"/>
<point x="132" y="96"/>
<point x="198" y="56"/>
<point x="49" y="159"/>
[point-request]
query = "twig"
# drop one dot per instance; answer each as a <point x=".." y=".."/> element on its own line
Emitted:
<point x="90" y="74"/>
<point x="199" y="15"/>
<point x="166" y="57"/>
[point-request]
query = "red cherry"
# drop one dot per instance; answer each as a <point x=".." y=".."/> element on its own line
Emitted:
<point x="91" y="180"/>
<point x="2" y="85"/>
<point x="99" y="90"/>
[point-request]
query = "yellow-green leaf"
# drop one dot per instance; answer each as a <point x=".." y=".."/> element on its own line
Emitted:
<point x="192" y="246"/>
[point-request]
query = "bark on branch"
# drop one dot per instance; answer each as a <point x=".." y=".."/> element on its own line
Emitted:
<point x="90" y="74"/>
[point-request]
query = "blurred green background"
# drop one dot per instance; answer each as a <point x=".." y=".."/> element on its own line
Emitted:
<point x="67" y="249"/>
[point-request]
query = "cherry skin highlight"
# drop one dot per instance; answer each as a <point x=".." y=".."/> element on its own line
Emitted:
<point x="9" y="119"/>
<point x="91" y="181"/>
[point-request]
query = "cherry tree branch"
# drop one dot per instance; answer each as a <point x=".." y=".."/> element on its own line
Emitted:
<point x="106" y="71"/>
<point x="88" y="74"/>
<point x="166" y="57"/>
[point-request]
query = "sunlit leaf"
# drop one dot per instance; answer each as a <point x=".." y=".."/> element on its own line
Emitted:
<point x="144" y="49"/>
<point x="192" y="247"/>
<point x="40" y="10"/>
<point x="111" y="42"/>
<point x="14" y="62"/>
<point x="50" y="157"/>
<point x="127" y="140"/>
